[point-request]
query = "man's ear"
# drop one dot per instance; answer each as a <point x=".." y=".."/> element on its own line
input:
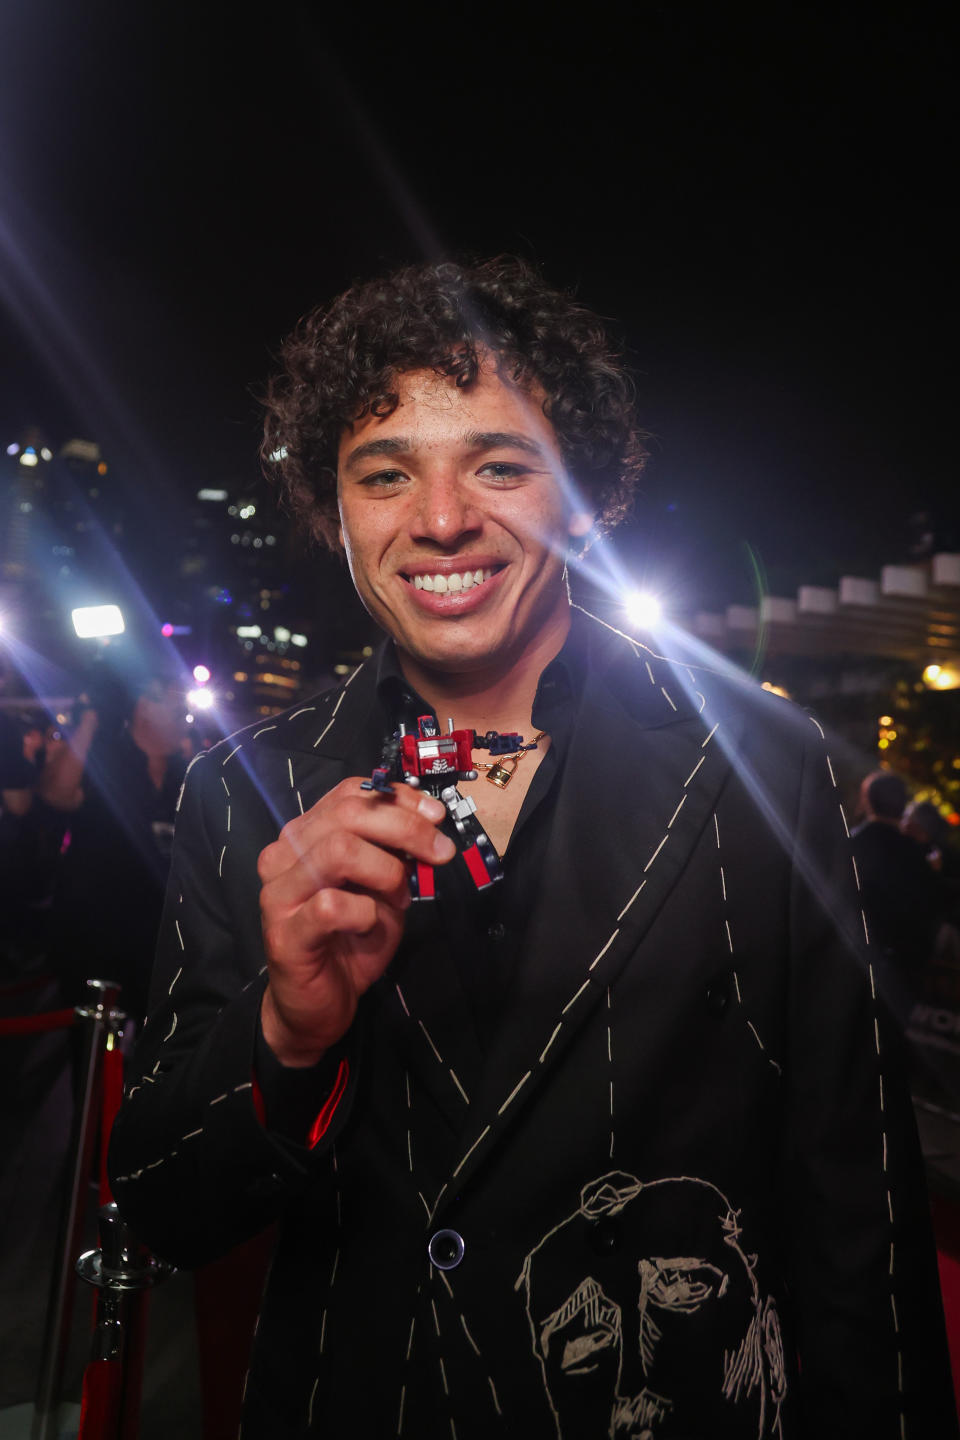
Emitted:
<point x="581" y="532"/>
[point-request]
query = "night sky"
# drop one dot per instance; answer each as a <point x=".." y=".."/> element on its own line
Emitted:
<point x="758" y="199"/>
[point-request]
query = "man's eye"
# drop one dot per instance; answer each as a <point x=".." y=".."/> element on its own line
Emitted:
<point x="501" y="470"/>
<point x="383" y="479"/>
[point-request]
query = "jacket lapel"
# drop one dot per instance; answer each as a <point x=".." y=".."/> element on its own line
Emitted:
<point x="643" y="771"/>
<point x="646" y="762"/>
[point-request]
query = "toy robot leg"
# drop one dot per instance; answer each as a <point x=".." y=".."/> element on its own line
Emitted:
<point x="483" y="862"/>
<point x="422" y="882"/>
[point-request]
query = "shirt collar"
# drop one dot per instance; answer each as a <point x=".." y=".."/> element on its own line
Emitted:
<point x="399" y="699"/>
<point x="560" y="681"/>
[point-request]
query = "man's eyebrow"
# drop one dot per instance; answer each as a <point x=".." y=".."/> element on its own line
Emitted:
<point x="388" y="445"/>
<point x="509" y="439"/>
<point x="474" y="440"/>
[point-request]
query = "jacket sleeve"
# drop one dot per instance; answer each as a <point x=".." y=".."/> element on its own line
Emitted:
<point x="862" y="1263"/>
<point x="193" y="1167"/>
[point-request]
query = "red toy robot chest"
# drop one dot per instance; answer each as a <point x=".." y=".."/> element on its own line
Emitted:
<point x="436" y="756"/>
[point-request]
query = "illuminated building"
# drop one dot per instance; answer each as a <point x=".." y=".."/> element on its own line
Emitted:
<point x="909" y="613"/>
<point x="24" y="489"/>
<point x="878" y="659"/>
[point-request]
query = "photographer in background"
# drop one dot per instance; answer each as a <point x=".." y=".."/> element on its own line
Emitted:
<point x="25" y="872"/>
<point x="112" y="791"/>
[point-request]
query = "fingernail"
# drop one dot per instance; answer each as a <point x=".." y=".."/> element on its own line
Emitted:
<point x="431" y="808"/>
<point x="443" y="847"/>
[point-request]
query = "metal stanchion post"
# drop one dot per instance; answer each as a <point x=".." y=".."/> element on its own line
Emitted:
<point x="97" y="1018"/>
<point x="123" y="1271"/>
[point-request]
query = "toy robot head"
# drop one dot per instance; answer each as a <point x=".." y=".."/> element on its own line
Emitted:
<point x="428" y="727"/>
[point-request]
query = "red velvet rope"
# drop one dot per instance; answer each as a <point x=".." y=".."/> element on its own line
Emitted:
<point x="100" y="1406"/>
<point x="33" y="1024"/>
<point x="30" y="982"/>
<point x="112" y="1096"/>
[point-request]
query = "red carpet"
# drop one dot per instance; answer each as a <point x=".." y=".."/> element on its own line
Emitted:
<point x="946" y="1228"/>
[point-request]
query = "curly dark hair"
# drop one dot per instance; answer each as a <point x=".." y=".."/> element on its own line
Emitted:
<point x="342" y="361"/>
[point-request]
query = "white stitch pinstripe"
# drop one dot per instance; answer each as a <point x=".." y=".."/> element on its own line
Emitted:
<point x="346" y="686"/>
<point x="883" y="1131"/>
<point x="190" y="1135"/>
<point x="610" y="1066"/>
<point x="729" y="934"/>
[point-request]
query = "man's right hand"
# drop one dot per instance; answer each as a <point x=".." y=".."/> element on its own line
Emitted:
<point x="334" y="890"/>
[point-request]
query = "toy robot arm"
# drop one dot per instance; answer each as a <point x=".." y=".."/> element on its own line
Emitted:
<point x="388" y="770"/>
<point x="500" y="744"/>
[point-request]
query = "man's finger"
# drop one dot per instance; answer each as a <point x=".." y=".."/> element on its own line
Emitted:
<point x="333" y="912"/>
<point x="340" y="860"/>
<point x="318" y="845"/>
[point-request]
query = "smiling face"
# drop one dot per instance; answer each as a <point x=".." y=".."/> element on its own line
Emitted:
<point x="455" y="522"/>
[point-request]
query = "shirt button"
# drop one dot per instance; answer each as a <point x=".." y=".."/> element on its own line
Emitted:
<point x="497" y="931"/>
<point x="265" y="1188"/>
<point x="445" y="1249"/>
<point x="718" y="996"/>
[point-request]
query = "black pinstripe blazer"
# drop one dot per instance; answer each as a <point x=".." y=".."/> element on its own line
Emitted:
<point x="685" y="1177"/>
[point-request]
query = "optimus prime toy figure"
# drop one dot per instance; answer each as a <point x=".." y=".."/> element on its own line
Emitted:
<point x="435" y="763"/>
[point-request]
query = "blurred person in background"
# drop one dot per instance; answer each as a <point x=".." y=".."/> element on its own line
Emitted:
<point x="111" y="791"/>
<point x="21" y="749"/>
<point x="923" y="822"/>
<point x="902" y="897"/>
<point x="27" y="857"/>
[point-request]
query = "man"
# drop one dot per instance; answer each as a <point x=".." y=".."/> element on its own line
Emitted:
<point x="26" y="861"/>
<point x="610" y="1146"/>
<point x="111" y="792"/>
<point x="902" y="895"/>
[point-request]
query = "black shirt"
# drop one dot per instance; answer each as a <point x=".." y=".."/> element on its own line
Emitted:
<point x="484" y="929"/>
<point x="481" y="931"/>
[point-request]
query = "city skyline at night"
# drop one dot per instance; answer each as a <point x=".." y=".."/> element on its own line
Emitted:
<point x="758" y="205"/>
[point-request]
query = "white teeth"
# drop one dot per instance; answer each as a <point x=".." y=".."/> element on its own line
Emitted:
<point x="451" y="584"/>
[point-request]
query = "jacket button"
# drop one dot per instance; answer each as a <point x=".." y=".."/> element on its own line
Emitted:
<point x="445" y="1249"/>
<point x="718" y="996"/>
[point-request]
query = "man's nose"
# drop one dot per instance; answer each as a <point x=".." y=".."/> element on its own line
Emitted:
<point x="444" y="512"/>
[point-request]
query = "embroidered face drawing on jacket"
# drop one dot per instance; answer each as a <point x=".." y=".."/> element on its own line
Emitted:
<point x="646" y="1316"/>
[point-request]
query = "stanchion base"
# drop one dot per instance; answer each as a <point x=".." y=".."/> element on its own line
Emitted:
<point x="150" y="1272"/>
